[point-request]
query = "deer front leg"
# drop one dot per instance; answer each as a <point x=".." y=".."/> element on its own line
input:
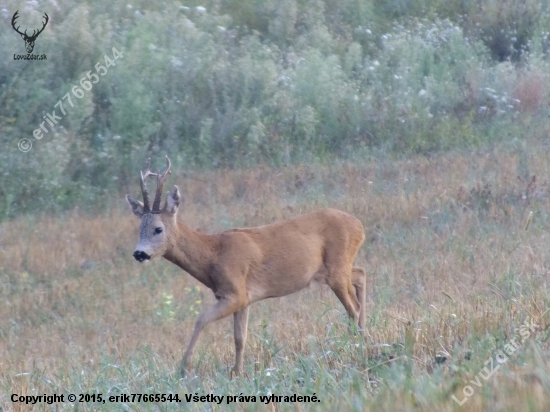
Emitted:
<point x="224" y="307"/>
<point x="240" y="319"/>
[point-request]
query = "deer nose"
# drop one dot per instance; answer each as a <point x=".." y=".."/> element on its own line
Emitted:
<point x="140" y="256"/>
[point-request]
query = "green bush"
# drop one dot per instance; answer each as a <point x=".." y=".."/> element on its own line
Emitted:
<point x="238" y="83"/>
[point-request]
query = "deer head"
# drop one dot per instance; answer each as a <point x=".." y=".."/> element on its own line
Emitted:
<point x="29" y="40"/>
<point x="156" y="224"/>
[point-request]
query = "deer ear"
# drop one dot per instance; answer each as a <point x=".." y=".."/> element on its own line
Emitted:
<point x="136" y="205"/>
<point x="173" y="200"/>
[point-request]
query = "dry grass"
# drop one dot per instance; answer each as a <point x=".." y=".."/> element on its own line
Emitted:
<point x="452" y="275"/>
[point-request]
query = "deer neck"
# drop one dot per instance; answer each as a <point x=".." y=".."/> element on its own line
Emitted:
<point x="194" y="252"/>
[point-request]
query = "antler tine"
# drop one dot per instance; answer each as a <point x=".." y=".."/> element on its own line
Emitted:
<point x="160" y="184"/>
<point x="147" y="172"/>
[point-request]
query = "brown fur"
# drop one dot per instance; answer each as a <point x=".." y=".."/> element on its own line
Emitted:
<point x="243" y="266"/>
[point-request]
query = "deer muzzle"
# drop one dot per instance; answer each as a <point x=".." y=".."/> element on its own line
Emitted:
<point x="141" y="256"/>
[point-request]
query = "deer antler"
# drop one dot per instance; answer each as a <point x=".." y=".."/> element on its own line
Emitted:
<point x="160" y="184"/>
<point x="35" y="35"/>
<point x="15" y="16"/>
<point x="147" y="172"/>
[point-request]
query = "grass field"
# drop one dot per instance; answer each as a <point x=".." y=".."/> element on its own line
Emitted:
<point x="455" y="268"/>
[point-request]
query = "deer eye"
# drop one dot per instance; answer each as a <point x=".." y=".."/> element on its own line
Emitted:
<point x="158" y="230"/>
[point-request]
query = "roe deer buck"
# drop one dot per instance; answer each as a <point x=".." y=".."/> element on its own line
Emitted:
<point x="243" y="266"/>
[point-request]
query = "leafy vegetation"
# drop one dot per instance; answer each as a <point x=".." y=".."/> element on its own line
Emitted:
<point x="241" y="83"/>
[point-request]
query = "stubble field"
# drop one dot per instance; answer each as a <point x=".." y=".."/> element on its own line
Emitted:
<point x="455" y="268"/>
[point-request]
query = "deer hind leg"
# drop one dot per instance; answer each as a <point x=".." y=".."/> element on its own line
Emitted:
<point x="240" y="319"/>
<point x="343" y="289"/>
<point x="224" y="307"/>
<point x="339" y="278"/>
<point x="359" y="281"/>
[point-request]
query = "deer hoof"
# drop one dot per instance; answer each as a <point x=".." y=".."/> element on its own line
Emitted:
<point x="183" y="369"/>
<point x="234" y="372"/>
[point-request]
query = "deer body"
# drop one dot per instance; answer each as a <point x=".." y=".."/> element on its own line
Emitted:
<point x="243" y="266"/>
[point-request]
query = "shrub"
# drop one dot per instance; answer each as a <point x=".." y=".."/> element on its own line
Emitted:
<point x="237" y="83"/>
